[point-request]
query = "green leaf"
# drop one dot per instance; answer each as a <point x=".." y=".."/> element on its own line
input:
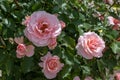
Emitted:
<point x="70" y="41"/>
<point x="115" y="46"/>
<point x="2" y="58"/>
<point x="27" y="65"/>
<point x="9" y="66"/>
<point x="86" y="70"/>
<point x="3" y="7"/>
<point x="66" y="71"/>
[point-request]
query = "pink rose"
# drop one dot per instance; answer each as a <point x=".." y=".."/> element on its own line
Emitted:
<point x="114" y="22"/>
<point x="22" y="49"/>
<point x="117" y="76"/>
<point x="90" y="45"/>
<point x="42" y="28"/>
<point x="76" y="78"/>
<point x="88" y="78"/>
<point x="51" y="65"/>
<point x="109" y="2"/>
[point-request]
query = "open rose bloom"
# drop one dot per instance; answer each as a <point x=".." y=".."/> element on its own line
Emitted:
<point x="22" y="49"/>
<point x="114" y="22"/>
<point x="51" y="65"/>
<point x="43" y="28"/>
<point x="90" y="45"/>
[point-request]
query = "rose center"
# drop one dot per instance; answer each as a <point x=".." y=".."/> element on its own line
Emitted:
<point x="92" y="44"/>
<point x="43" y="26"/>
<point x="52" y="64"/>
<point x="21" y="48"/>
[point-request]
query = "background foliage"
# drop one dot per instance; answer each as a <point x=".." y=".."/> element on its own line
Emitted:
<point x="79" y="18"/>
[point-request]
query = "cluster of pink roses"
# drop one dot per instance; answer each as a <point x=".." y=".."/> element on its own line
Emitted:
<point x="42" y="29"/>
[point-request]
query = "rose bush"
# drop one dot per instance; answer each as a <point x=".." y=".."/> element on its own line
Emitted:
<point x="84" y="35"/>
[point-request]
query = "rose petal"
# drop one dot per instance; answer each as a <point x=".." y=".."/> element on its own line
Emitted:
<point x="48" y="55"/>
<point x="52" y="44"/>
<point x="19" y="40"/>
<point x="19" y="56"/>
<point x="30" y="50"/>
<point x="62" y="24"/>
<point x="49" y="75"/>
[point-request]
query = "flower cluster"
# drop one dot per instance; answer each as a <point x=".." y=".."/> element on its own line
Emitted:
<point x="42" y="29"/>
<point x="22" y="49"/>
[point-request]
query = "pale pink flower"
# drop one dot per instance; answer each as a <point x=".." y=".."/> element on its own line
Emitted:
<point x="76" y="78"/>
<point x="114" y="22"/>
<point x="42" y="28"/>
<point x="51" y="65"/>
<point x="22" y="49"/>
<point x="109" y="2"/>
<point x="90" y="45"/>
<point x="117" y="76"/>
<point x="88" y="78"/>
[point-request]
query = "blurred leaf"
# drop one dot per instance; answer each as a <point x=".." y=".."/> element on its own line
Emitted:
<point x="86" y="70"/>
<point x="27" y="65"/>
<point x="9" y="66"/>
<point x="115" y="46"/>
<point x="66" y="71"/>
<point x="36" y="6"/>
<point x="70" y="42"/>
<point x="3" y="7"/>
